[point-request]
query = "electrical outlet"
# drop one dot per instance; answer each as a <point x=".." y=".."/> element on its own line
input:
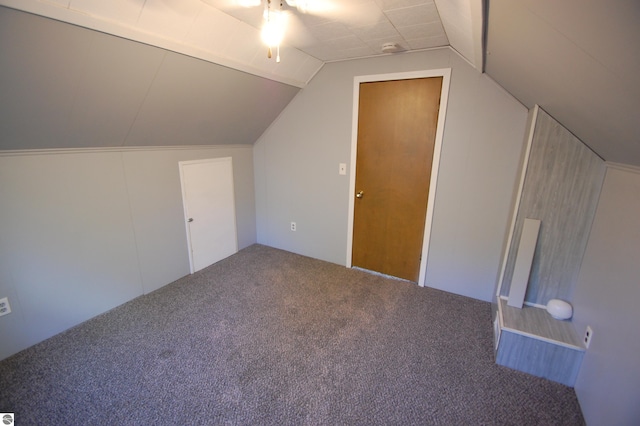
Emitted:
<point x="5" y="308"/>
<point x="588" y="334"/>
<point x="293" y="226"/>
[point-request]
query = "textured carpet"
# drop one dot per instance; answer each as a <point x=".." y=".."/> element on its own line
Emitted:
<point x="267" y="337"/>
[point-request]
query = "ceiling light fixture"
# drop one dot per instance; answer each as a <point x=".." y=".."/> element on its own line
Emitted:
<point x="273" y="28"/>
<point x="276" y="18"/>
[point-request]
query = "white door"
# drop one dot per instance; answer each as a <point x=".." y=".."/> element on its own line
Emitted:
<point x="209" y="207"/>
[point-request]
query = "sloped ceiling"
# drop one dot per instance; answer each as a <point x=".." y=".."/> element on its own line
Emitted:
<point x="190" y="27"/>
<point x="578" y="60"/>
<point x="63" y="86"/>
<point x="125" y="73"/>
<point x="186" y="72"/>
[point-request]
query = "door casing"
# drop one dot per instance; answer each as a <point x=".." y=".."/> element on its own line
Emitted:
<point x="445" y="73"/>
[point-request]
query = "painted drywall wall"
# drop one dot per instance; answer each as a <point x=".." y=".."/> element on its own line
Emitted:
<point x="606" y="298"/>
<point x="82" y="232"/>
<point x="67" y="248"/>
<point x="296" y="168"/>
<point x="153" y="182"/>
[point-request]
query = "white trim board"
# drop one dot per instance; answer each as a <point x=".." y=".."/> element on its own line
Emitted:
<point x="623" y="167"/>
<point x="62" y="151"/>
<point x="445" y="73"/>
<point x="534" y="305"/>
<point x="516" y="204"/>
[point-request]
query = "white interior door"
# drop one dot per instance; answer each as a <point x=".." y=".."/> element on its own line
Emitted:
<point x="209" y="207"/>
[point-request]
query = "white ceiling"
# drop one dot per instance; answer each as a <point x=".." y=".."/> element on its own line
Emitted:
<point x="340" y="29"/>
<point x="219" y="31"/>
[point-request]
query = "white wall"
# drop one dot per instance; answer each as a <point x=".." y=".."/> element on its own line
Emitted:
<point x="606" y="298"/>
<point x="83" y="232"/>
<point x="296" y="168"/>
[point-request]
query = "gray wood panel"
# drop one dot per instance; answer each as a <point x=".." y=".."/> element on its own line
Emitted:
<point x="561" y="188"/>
<point x="537" y="322"/>
<point x="542" y="359"/>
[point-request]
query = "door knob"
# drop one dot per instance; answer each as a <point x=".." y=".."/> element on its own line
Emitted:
<point x="360" y="194"/>
<point x="190" y="219"/>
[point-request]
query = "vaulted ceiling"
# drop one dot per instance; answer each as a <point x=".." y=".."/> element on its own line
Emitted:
<point x="578" y="60"/>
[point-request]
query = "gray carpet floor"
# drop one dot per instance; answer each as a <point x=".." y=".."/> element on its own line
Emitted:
<point x="267" y="337"/>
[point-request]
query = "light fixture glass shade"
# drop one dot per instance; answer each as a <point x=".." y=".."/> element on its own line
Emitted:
<point x="273" y="29"/>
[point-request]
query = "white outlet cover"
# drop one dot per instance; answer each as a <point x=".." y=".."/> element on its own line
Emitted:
<point x="588" y="335"/>
<point x="5" y="308"/>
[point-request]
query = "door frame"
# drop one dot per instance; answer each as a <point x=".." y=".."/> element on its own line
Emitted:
<point x="445" y="73"/>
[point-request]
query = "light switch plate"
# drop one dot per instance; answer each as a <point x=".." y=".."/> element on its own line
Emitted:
<point x="342" y="169"/>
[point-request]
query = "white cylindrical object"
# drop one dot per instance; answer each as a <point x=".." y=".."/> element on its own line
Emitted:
<point x="390" y="47"/>
<point x="559" y="309"/>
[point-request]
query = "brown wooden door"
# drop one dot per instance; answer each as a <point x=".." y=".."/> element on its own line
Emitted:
<point x="396" y="135"/>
